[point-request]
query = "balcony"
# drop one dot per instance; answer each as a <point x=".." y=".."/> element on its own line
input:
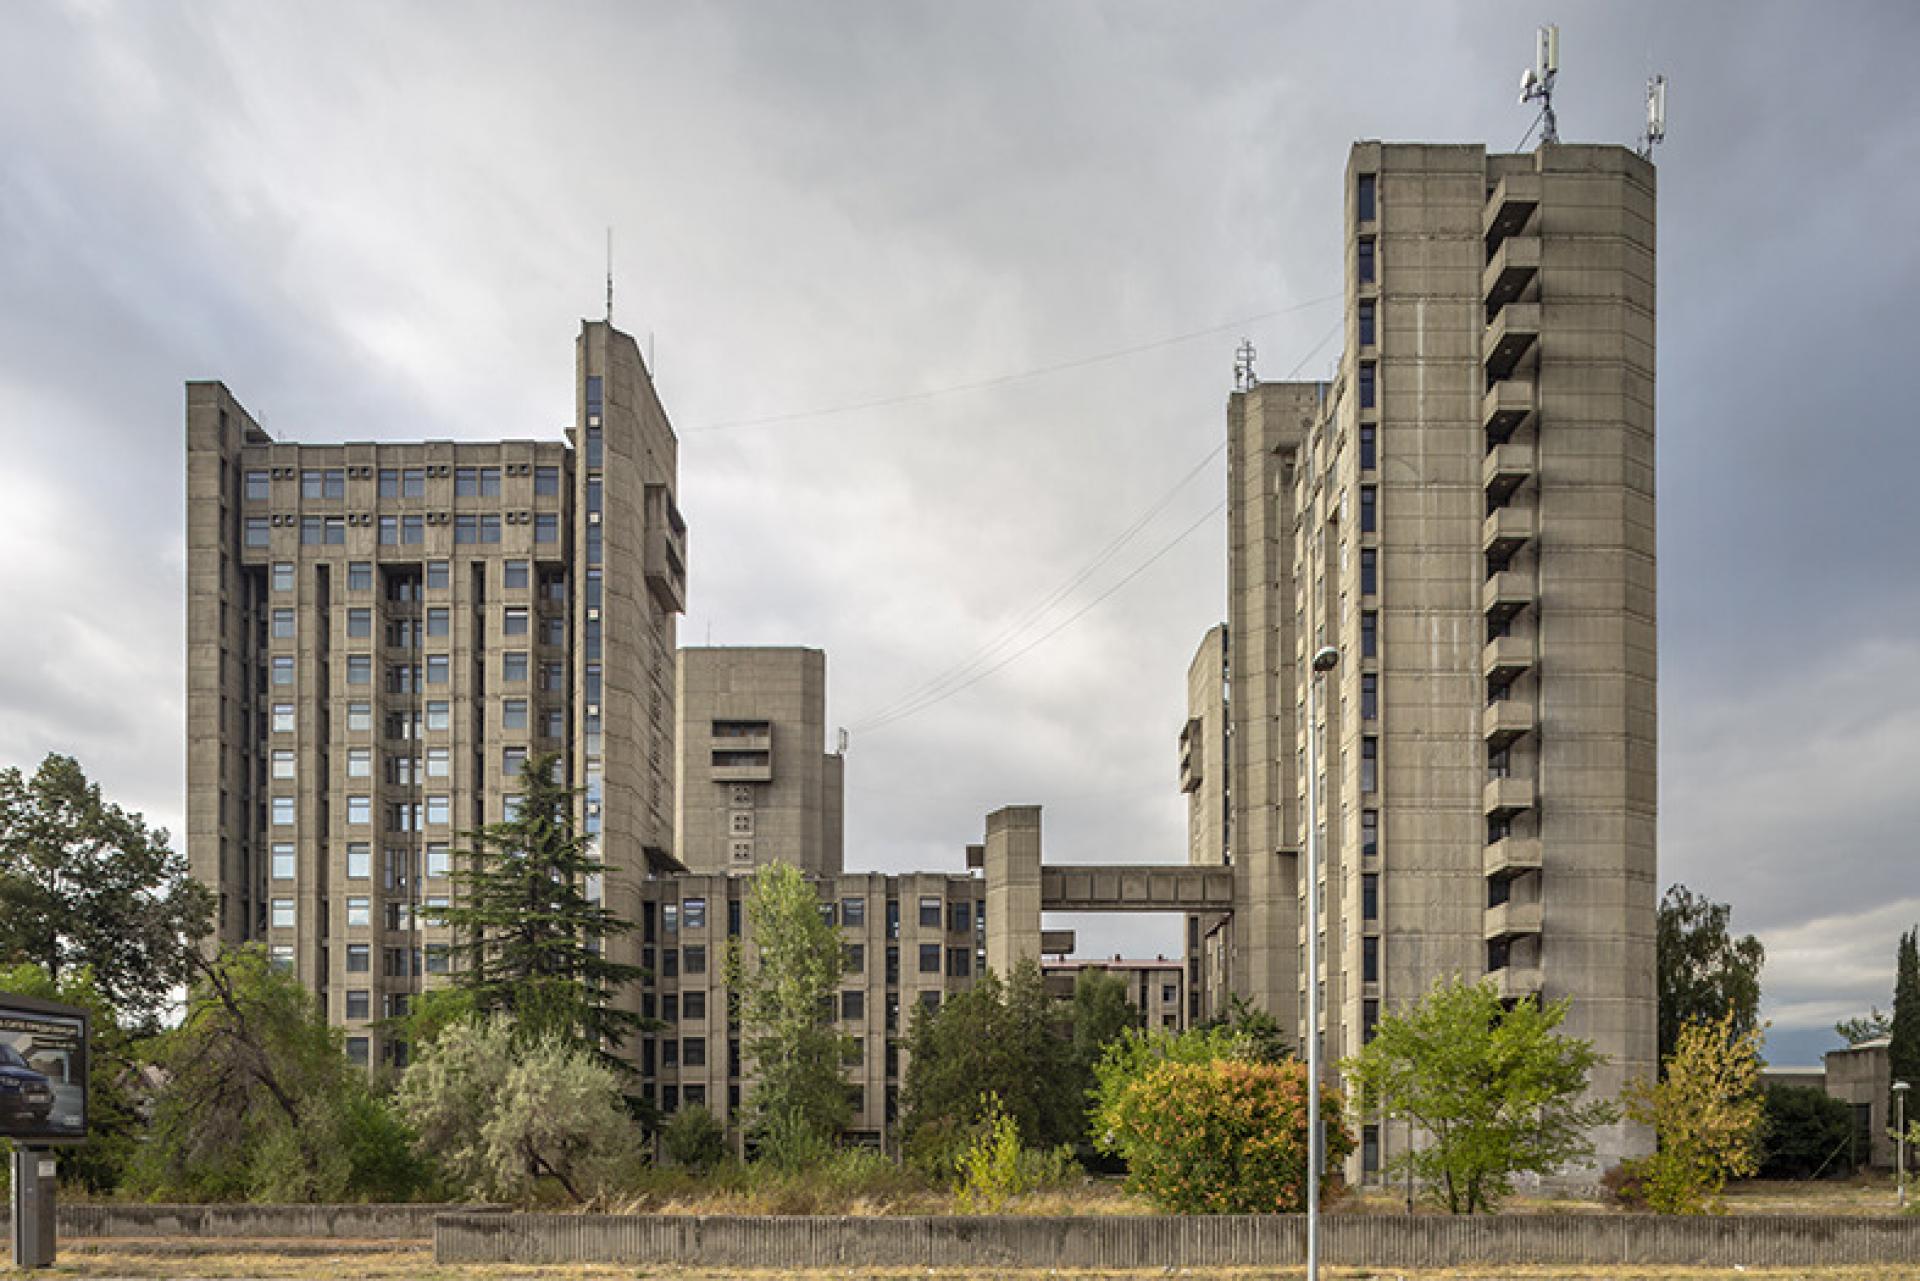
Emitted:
<point x="742" y="767"/>
<point x="1512" y="920"/>
<point x="1506" y="594"/>
<point x="1508" y="209"/>
<point x="1510" y="336"/>
<point x="1511" y="856"/>
<point x="1508" y="406"/>
<point x="1506" y="659"/>
<point x="1517" y="983"/>
<point x="666" y="550"/>
<point x="1505" y="720"/>
<point x="1505" y="531"/>
<point x="1506" y="797"/>
<point x="1505" y="469"/>
<point x="1509" y="271"/>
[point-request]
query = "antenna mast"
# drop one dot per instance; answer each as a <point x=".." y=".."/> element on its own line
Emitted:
<point x="1656" y="116"/>
<point x="1536" y="82"/>
<point x="1243" y="375"/>
<point x="609" y="275"/>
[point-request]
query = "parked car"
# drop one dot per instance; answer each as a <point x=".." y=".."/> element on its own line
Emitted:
<point x="24" y="1093"/>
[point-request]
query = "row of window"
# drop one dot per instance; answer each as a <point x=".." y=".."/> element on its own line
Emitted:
<point x="283" y="913"/>
<point x="439" y="862"/>
<point x="960" y="916"/>
<point x="437" y="762"/>
<point x="401" y="482"/>
<point x="515" y="575"/>
<point x="406" y="531"/>
<point x="437" y="715"/>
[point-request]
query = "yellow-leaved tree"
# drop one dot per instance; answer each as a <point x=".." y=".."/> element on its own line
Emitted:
<point x="1707" y="1116"/>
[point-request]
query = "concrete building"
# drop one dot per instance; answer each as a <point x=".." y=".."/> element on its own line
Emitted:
<point x="1467" y="512"/>
<point x="379" y="635"/>
<point x="1156" y="986"/>
<point x="754" y="782"/>
<point x="1861" y="1077"/>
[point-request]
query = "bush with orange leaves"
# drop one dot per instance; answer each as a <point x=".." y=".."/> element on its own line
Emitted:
<point x="1223" y="1136"/>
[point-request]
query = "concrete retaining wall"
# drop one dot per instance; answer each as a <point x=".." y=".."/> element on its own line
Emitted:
<point x="1224" y="1241"/>
<point x="363" y="1222"/>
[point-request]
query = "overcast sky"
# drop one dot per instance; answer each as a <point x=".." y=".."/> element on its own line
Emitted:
<point x="385" y="222"/>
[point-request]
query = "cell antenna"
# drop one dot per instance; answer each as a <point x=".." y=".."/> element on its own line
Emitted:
<point x="1536" y="82"/>
<point x="1656" y="116"/>
<point x="1243" y="375"/>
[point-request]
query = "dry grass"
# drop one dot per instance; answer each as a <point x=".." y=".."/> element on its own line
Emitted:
<point x="349" y="1261"/>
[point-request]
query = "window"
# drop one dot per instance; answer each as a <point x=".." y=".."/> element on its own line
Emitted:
<point x="513" y="622"/>
<point x="359" y="958"/>
<point x="1363" y="197"/>
<point x="513" y="665"/>
<point x="402" y="678"/>
<point x="553" y="679"/>
<point x="930" y="914"/>
<point x="282" y="577"/>
<point x="512" y="761"/>
<point x="282" y="763"/>
<point x="1366" y="324"/>
<point x="1369" y="572"/>
<point x="489" y="482"/>
<point x="930" y="999"/>
<point x="1369" y="833"/>
<point x="553" y="629"/>
<point x="359" y="911"/>
<point x="929" y="958"/>
<point x="693" y="913"/>
<point x="359" y="860"/>
<point x="1369" y="634"/>
<point x="853" y="958"/>
<point x="1369" y="377"/>
<point x="359" y="1004"/>
<point x="1369" y="697"/>
<point x="259" y="486"/>
<point x="1370" y="896"/>
<point x="389" y="531"/>
<point x="283" y="860"/>
<point x="1364" y="251"/>
<point x="359" y="762"/>
<point x="259" y="532"/>
<point x="960" y="918"/>
<point x="282" y="914"/>
<point x="513" y="713"/>
<point x="516" y="574"/>
<point x="546" y="527"/>
<point x="283" y="811"/>
<point x="466" y="482"/>
<point x="1370" y="959"/>
<point x="959" y="962"/>
<point x="466" y="529"/>
<point x="439" y="669"/>
<point x="439" y="714"/>
<point x="359" y="623"/>
<point x="359" y="810"/>
<point x="389" y="482"/>
<point x="283" y="718"/>
<point x="439" y="859"/>
<point x="359" y="576"/>
<point x="853" y="911"/>
<point x="359" y="669"/>
<point x="439" y="575"/>
<point x="546" y="482"/>
<point x="439" y="811"/>
<point x="853" y="1005"/>
<point x="283" y="670"/>
<point x="693" y="1054"/>
<point x="1369" y="764"/>
<point x="693" y="958"/>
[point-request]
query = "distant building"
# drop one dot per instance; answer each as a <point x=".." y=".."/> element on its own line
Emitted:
<point x="1156" y="987"/>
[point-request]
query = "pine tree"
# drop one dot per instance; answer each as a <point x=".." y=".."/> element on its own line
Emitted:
<point x="532" y="943"/>
<point x="1903" y="1053"/>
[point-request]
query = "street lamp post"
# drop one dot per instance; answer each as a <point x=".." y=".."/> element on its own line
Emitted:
<point x="1323" y="662"/>
<point x="1900" y="1138"/>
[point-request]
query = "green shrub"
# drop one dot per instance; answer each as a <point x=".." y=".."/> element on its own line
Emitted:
<point x="694" y="1140"/>
<point x="1809" y="1133"/>
<point x="1222" y="1137"/>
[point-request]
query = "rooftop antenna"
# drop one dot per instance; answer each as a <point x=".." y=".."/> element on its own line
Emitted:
<point x="1656" y="116"/>
<point x="1536" y="82"/>
<point x="841" y="739"/>
<point x="1243" y="375"/>
<point x="609" y="275"/>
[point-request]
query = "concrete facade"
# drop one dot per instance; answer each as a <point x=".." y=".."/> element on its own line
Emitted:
<point x="1466" y="513"/>
<point x="755" y="784"/>
<point x="1861" y="1076"/>
<point x="379" y="635"/>
<point x="1156" y="986"/>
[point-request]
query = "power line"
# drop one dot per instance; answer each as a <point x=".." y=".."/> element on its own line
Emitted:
<point x="1061" y="626"/>
<point x="1001" y="380"/>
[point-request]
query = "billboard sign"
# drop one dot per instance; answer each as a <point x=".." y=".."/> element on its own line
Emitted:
<point x="43" y="1071"/>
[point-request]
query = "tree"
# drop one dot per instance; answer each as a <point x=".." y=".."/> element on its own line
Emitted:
<point x="1498" y="1090"/>
<point x="694" y="1140"/>
<point x="1903" y="1049"/>
<point x="1224" y="1136"/>
<point x="1262" y="1038"/>
<point x="1136" y="1053"/>
<point x="999" y="1040"/>
<point x="1102" y="1011"/>
<point x="84" y="883"/>
<point x="1870" y="1026"/>
<point x="1707" y="1117"/>
<point x="504" y="1116"/>
<point x="113" y="1121"/>
<point x="788" y="983"/>
<point x="531" y="940"/>
<point x="260" y="1103"/>
<point x="1808" y="1133"/>
<point x="1704" y="972"/>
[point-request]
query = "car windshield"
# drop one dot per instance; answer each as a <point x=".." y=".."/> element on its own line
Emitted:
<point x="10" y="1057"/>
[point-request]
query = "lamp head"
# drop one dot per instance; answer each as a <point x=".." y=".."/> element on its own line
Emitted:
<point x="1326" y="660"/>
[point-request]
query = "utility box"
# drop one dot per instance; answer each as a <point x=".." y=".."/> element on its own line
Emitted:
<point x="33" y="1207"/>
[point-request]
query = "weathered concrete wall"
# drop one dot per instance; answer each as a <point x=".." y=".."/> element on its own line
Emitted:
<point x="1225" y="1241"/>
